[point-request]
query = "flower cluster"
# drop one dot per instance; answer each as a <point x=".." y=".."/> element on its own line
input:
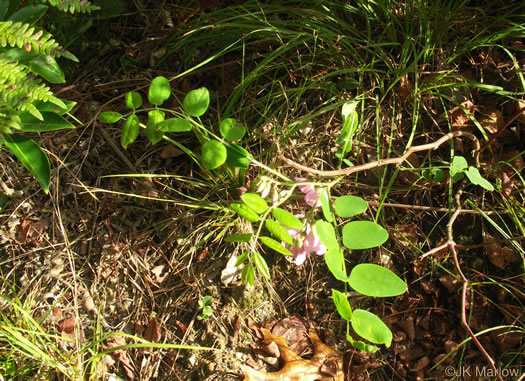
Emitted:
<point x="305" y="242"/>
<point x="311" y="195"/>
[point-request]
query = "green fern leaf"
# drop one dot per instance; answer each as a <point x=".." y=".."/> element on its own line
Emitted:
<point x="19" y="88"/>
<point x="73" y="6"/>
<point x="23" y="35"/>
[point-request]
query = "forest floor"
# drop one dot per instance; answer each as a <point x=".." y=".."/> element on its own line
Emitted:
<point x="115" y="248"/>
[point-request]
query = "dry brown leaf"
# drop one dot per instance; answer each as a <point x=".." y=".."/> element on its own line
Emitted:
<point x="497" y="254"/>
<point x="170" y="151"/>
<point x="505" y="339"/>
<point x="406" y="235"/>
<point x="153" y="331"/>
<point x="158" y="276"/>
<point x="450" y="283"/>
<point x="296" y="368"/>
<point x="120" y="355"/>
<point x="491" y="121"/>
<point x="458" y="118"/>
<point x="88" y="303"/>
<point x="294" y="331"/>
<point x="67" y="329"/>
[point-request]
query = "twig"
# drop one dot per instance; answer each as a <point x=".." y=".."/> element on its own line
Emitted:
<point x="451" y="244"/>
<point x="436" y="209"/>
<point x="8" y="191"/>
<point x="383" y="162"/>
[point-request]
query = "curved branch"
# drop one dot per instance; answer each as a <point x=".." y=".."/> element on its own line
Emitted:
<point x="383" y="162"/>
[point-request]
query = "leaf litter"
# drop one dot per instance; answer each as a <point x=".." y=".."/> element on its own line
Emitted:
<point x="284" y="342"/>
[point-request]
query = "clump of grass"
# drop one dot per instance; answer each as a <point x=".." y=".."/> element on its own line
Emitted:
<point x="410" y="62"/>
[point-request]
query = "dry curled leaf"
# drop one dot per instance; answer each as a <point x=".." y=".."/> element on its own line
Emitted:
<point x="326" y="364"/>
<point x="491" y="121"/>
<point x="230" y="272"/>
<point x="457" y="116"/>
<point x="68" y="330"/>
<point x="159" y="275"/>
<point x="88" y="303"/>
<point x="120" y="355"/>
<point x="30" y="231"/>
<point x="153" y="331"/>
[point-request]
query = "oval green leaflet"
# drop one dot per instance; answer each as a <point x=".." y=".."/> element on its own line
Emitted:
<point x="241" y="259"/>
<point x="248" y="274"/>
<point x="133" y="100"/>
<point x="288" y="219"/>
<point x="239" y="237"/>
<point x="159" y="90"/>
<point x="237" y="156"/>
<point x="130" y="130"/>
<point x="349" y="206"/>
<point x="374" y="280"/>
<point x="342" y="305"/>
<point x="371" y="327"/>
<point x="361" y="345"/>
<point x="153" y="133"/>
<point x="326" y="233"/>
<point x="475" y="178"/>
<point x="261" y="265"/>
<point x="324" y="198"/>
<point x="231" y="130"/>
<point x="255" y="202"/>
<point x="335" y="262"/>
<point x="245" y="212"/>
<point x="109" y="116"/>
<point x="358" y="235"/>
<point x="274" y="245"/>
<point x="175" y="125"/>
<point x="278" y="231"/>
<point x="213" y="154"/>
<point x="196" y="102"/>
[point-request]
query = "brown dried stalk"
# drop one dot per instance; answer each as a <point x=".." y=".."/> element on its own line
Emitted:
<point x="382" y="162"/>
<point x="451" y="244"/>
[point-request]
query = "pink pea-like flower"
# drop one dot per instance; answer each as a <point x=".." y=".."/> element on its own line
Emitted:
<point x="305" y="242"/>
<point x="311" y="195"/>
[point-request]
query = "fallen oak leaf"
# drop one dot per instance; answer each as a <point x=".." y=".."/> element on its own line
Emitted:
<point x="296" y="368"/>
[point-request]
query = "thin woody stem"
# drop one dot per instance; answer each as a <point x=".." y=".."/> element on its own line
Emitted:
<point x="383" y="162"/>
<point x="451" y="244"/>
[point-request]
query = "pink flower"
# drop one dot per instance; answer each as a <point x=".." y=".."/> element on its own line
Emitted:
<point x="305" y="242"/>
<point x="311" y="195"/>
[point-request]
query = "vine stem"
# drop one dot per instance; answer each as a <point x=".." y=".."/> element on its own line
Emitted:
<point x="451" y="244"/>
<point x="382" y="162"/>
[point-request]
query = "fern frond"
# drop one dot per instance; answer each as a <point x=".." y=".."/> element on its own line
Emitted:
<point x="9" y="121"/>
<point x="73" y="6"/>
<point x="23" y="35"/>
<point x="19" y="88"/>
